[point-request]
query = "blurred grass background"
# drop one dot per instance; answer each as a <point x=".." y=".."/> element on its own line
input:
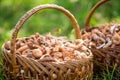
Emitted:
<point x="50" y="20"/>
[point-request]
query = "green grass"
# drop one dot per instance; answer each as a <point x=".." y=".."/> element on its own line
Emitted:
<point x="107" y="74"/>
<point x="2" y="75"/>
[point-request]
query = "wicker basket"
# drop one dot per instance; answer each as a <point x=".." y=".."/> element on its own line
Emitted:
<point x="106" y="54"/>
<point x="23" y="68"/>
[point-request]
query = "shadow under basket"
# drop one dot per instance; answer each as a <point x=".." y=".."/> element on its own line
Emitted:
<point x="19" y="67"/>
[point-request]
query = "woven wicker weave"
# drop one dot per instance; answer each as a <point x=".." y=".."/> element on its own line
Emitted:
<point x="105" y="55"/>
<point x="23" y="68"/>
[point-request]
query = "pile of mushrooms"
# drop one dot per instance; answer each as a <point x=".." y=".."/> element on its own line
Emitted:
<point x="104" y="42"/>
<point x="50" y="48"/>
<point x="106" y="35"/>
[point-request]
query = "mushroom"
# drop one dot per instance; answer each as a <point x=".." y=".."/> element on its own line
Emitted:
<point x="22" y="48"/>
<point x="7" y="45"/>
<point x="37" y="53"/>
<point x="109" y="42"/>
<point x="101" y="46"/>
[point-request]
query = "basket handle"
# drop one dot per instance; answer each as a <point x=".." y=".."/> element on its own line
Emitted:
<point x="87" y="22"/>
<point x="29" y="14"/>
